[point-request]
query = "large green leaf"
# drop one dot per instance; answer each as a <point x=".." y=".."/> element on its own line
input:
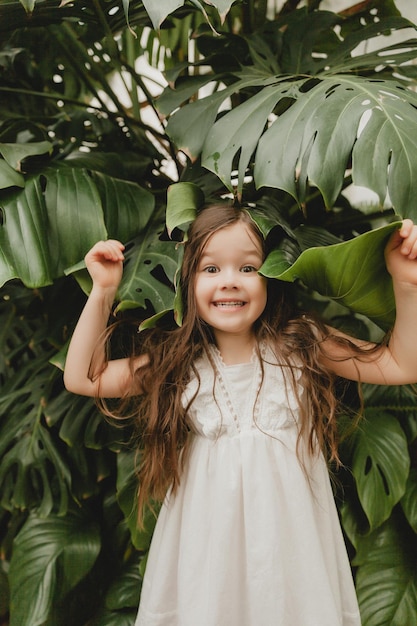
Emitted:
<point x="22" y="251"/>
<point x="400" y="400"/>
<point x="325" y="121"/>
<point x="9" y="177"/>
<point x="394" y="54"/>
<point x="336" y="117"/>
<point x="46" y="231"/>
<point x="343" y="52"/>
<point x="58" y="225"/>
<point x="409" y="500"/>
<point x="151" y="262"/>
<point x="325" y="116"/>
<point x="79" y="421"/>
<point x="25" y="474"/>
<point x="43" y="550"/>
<point x="125" y="590"/>
<point x="158" y="11"/>
<point x="68" y="193"/>
<point x="192" y="125"/>
<point x="183" y="201"/>
<point x="140" y="286"/>
<point x="380" y="464"/>
<point x="16" y="152"/>
<point x="34" y="473"/>
<point x="189" y="127"/>
<point x="352" y="273"/>
<point x="116" y="618"/>
<point x="185" y="89"/>
<point x="127" y="489"/>
<point x="386" y="580"/>
<point x="236" y="134"/>
<point x="127" y="206"/>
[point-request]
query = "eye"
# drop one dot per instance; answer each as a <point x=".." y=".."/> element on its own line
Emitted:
<point x="248" y="268"/>
<point x="210" y="269"/>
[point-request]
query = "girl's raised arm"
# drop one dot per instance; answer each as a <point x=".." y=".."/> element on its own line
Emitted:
<point x="105" y="264"/>
<point x="396" y="363"/>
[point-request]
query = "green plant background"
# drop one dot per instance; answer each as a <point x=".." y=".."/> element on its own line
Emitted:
<point x="282" y="108"/>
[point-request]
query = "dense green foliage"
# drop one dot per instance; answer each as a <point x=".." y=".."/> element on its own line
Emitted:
<point x="283" y="109"/>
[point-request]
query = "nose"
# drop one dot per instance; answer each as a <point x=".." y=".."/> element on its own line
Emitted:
<point x="230" y="279"/>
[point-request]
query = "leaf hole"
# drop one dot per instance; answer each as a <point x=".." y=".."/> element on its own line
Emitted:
<point x="330" y="91"/>
<point x="309" y="85"/>
<point x="384" y="481"/>
<point x="147" y="262"/>
<point x="159" y="273"/>
<point x="368" y="465"/>
<point x="1" y="217"/>
<point x="43" y="182"/>
<point x="283" y="105"/>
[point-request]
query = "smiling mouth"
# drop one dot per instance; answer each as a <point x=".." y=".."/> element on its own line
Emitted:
<point x="225" y="305"/>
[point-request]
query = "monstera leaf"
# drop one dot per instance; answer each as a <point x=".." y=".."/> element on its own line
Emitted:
<point x="380" y="464"/>
<point x="327" y="121"/>
<point x="127" y="488"/>
<point x="183" y="200"/>
<point x="124" y="593"/>
<point x="313" y="121"/>
<point x="337" y="118"/>
<point x="386" y="579"/>
<point x="140" y="286"/>
<point x="33" y="469"/>
<point x="35" y="245"/>
<point x="352" y="272"/>
<point x="14" y="153"/>
<point x="44" y="549"/>
<point x="50" y="224"/>
<point x="409" y="500"/>
<point x="158" y="11"/>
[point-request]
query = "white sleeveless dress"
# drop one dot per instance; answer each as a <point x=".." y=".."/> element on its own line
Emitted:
<point x="248" y="540"/>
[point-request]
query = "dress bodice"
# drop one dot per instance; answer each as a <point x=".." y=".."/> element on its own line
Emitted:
<point x="235" y="399"/>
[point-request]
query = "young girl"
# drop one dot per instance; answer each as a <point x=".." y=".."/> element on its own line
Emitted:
<point x="235" y="409"/>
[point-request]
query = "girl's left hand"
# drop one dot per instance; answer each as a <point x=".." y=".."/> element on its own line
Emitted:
<point x="401" y="253"/>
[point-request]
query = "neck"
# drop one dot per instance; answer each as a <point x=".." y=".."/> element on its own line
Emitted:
<point x="235" y="349"/>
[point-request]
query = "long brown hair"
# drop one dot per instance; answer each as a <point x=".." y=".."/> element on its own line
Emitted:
<point x="161" y="424"/>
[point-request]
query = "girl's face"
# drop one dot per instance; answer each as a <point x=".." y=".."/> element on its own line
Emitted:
<point x="230" y="294"/>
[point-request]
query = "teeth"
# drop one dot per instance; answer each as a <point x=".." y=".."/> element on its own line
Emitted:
<point x="231" y="304"/>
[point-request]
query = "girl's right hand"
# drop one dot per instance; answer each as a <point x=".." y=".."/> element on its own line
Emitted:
<point x="105" y="263"/>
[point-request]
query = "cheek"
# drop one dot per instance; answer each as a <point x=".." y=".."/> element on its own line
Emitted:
<point x="198" y="294"/>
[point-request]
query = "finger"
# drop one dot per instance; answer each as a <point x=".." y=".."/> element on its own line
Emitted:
<point x="406" y="228"/>
<point x="118" y="244"/>
<point x="409" y="248"/>
<point x="115" y="249"/>
<point x="110" y="250"/>
<point x="409" y="243"/>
